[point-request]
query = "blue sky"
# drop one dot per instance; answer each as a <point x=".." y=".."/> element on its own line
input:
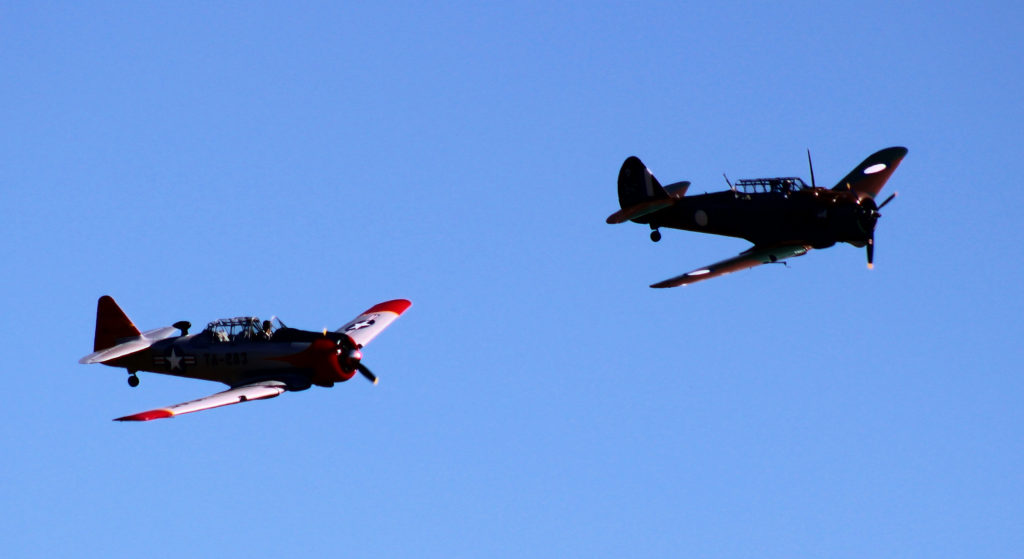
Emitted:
<point x="309" y="160"/>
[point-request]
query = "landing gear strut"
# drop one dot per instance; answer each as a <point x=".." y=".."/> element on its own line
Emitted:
<point x="133" y="380"/>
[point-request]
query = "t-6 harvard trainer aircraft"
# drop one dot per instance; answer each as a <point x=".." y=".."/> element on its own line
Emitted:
<point x="783" y="217"/>
<point x="257" y="360"/>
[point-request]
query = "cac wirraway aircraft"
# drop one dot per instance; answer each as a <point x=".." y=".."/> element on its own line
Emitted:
<point x="257" y="360"/>
<point x="783" y="217"/>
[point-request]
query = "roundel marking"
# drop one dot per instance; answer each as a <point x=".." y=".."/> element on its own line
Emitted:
<point x="701" y="217"/>
<point x="877" y="167"/>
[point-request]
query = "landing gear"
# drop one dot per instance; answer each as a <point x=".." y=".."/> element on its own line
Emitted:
<point x="655" y="235"/>
<point x="133" y="380"/>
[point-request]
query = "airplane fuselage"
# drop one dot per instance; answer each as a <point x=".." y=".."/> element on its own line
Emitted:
<point x="814" y="216"/>
<point x="303" y="358"/>
<point x="782" y="216"/>
<point x="256" y="359"/>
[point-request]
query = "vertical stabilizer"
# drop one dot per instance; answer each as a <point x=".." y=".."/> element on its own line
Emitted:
<point x="111" y="324"/>
<point x="637" y="185"/>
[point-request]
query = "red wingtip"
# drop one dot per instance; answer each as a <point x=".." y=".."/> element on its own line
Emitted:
<point x="397" y="306"/>
<point x="147" y="415"/>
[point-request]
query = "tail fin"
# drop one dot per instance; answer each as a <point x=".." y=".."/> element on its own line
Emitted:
<point x="641" y="194"/>
<point x="870" y="176"/>
<point x="637" y="185"/>
<point x="111" y="324"/>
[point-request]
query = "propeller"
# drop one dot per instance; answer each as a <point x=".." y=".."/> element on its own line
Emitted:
<point x="350" y="357"/>
<point x="887" y="200"/>
<point x="870" y="213"/>
<point x="353" y="360"/>
<point x="873" y="212"/>
<point x="366" y="373"/>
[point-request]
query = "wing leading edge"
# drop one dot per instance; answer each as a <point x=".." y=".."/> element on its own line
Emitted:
<point x="237" y="395"/>
<point x="755" y="256"/>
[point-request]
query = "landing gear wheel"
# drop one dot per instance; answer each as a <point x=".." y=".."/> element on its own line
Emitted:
<point x="133" y="381"/>
<point x="655" y="235"/>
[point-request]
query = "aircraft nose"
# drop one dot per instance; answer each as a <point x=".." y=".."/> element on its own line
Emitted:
<point x="868" y="215"/>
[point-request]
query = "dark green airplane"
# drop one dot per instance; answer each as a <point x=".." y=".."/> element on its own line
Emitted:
<point x="783" y="217"/>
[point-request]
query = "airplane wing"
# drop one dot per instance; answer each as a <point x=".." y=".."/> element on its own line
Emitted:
<point x="870" y="176"/>
<point x="755" y="256"/>
<point x="366" y="326"/>
<point x="244" y="393"/>
<point x="129" y="347"/>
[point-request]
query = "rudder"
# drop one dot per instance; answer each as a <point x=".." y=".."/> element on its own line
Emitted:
<point x="637" y="185"/>
<point x="111" y="324"/>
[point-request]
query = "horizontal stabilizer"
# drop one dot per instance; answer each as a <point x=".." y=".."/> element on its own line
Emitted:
<point x="677" y="189"/>
<point x="639" y="210"/>
<point x="130" y="346"/>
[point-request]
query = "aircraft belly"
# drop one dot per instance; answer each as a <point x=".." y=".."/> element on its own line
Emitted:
<point x="141" y="361"/>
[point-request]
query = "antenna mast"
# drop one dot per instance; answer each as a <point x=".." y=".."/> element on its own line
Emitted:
<point x="811" y="165"/>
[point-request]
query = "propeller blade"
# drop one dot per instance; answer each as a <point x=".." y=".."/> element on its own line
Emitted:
<point x="871" y="252"/>
<point x="887" y="200"/>
<point x="366" y="373"/>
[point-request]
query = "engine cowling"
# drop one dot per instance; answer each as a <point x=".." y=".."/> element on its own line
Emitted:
<point x="853" y="220"/>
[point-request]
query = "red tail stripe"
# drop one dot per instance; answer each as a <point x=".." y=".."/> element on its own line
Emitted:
<point x="111" y="324"/>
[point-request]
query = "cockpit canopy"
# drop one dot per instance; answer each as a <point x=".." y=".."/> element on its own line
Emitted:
<point x="783" y="185"/>
<point x="241" y="328"/>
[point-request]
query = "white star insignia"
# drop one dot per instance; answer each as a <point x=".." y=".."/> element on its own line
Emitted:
<point x="174" y="360"/>
<point x="362" y="324"/>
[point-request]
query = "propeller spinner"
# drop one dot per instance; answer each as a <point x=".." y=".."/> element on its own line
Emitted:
<point x="353" y="360"/>
<point x="350" y="357"/>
